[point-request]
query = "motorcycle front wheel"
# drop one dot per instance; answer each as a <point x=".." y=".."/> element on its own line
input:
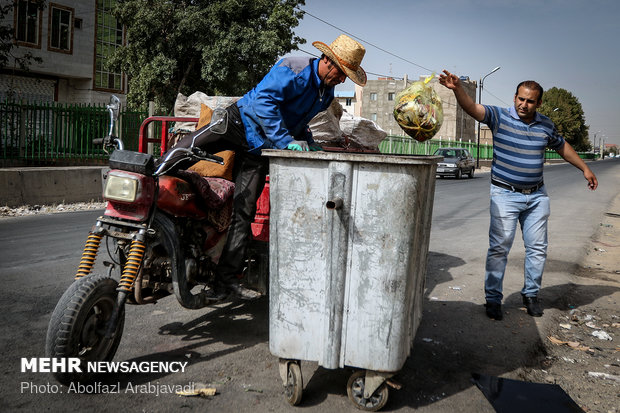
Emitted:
<point x="78" y="324"/>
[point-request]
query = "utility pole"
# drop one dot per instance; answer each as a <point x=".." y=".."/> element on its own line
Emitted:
<point x="480" y="102"/>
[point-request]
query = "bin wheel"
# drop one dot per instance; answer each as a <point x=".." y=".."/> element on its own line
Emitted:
<point x="294" y="384"/>
<point x="355" y="391"/>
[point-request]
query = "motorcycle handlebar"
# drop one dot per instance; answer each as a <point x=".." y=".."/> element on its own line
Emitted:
<point x="109" y="142"/>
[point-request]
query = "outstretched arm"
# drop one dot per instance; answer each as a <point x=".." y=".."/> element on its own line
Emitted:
<point x="452" y="82"/>
<point x="568" y="153"/>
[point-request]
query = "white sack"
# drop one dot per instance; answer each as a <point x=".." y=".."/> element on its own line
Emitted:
<point x="337" y="127"/>
<point x="362" y="132"/>
<point x="190" y="107"/>
<point x="325" y="126"/>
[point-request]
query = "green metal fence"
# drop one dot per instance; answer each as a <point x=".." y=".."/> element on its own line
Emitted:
<point x="48" y="133"/>
<point x="130" y="122"/>
<point x="409" y="146"/>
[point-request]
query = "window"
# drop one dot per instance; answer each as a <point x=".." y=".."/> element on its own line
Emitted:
<point x="391" y="96"/>
<point x="109" y="38"/>
<point x="61" y="28"/>
<point x="28" y="23"/>
<point x="348" y="101"/>
<point x="373" y="117"/>
<point x="373" y="96"/>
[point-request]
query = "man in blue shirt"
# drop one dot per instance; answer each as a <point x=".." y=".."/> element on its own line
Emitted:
<point x="273" y="115"/>
<point x="518" y="194"/>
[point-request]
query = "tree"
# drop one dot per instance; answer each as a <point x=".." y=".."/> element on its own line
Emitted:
<point x="566" y="112"/>
<point x="7" y="38"/>
<point x="218" y="47"/>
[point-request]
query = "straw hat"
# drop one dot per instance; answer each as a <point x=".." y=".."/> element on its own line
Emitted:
<point x="347" y="54"/>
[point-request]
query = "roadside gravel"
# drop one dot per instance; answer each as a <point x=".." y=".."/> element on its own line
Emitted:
<point x="582" y="345"/>
<point x="6" y="211"/>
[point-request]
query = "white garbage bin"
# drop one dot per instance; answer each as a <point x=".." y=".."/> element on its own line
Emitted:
<point x="349" y="236"/>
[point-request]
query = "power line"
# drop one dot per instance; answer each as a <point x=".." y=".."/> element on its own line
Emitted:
<point x="365" y="41"/>
<point x="370" y="73"/>
<point x="379" y="48"/>
<point x="501" y="100"/>
<point x="374" y="74"/>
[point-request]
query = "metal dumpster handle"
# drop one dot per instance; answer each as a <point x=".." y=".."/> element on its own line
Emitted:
<point x="335" y="203"/>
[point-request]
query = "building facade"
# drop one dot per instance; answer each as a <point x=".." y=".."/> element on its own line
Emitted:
<point x="376" y="102"/>
<point x="74" y="39"/>
<point x="347" y="100"/>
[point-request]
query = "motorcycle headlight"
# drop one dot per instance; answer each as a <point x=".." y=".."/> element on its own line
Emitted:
<point x="121" y="188"/>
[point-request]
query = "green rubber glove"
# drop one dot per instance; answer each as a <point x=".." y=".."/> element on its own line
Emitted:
<point x="298" y="146"/>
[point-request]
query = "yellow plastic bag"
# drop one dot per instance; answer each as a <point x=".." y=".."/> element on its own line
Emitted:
<point x="419" y="111"/>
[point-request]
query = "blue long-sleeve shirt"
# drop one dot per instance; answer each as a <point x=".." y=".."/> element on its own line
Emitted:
<point x="278" y="109"/>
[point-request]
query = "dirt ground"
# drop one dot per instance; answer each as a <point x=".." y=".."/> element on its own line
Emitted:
<point x="582" y="349"/>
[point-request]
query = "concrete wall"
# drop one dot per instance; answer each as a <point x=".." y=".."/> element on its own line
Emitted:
<point x="46" y="186"/>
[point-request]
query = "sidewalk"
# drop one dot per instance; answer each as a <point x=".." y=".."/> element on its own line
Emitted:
<point x="581" y="340"/>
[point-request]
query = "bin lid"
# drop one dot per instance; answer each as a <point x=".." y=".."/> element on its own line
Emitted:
<point x="354" y="157"/>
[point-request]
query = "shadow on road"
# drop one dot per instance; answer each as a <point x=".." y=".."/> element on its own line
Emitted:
<point x="454" y="340"/>
<point x="438" y="269"/>
<point x="231" y="327"/>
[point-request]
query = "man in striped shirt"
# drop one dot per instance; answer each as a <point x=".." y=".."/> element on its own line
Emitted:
<point x="518" y="194"/>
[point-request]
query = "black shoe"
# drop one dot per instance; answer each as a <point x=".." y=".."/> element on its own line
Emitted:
<point x="218" y="293"/>
<point x="494" y="311"/>
<point x="533" y="306"/>
<point x="243" y="293"/>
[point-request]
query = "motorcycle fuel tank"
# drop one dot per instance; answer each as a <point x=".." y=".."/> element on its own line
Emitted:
<point x="177" y="197"/>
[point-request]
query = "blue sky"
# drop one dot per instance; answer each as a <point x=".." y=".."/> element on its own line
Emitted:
<point x="570" y="44"/>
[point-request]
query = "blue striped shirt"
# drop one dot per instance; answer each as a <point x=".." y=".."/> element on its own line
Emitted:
<point x="519" y="147"/>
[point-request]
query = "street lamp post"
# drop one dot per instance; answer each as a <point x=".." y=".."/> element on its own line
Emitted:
<point x="480" y="102"/>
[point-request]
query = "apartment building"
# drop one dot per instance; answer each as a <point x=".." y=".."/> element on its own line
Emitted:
<point x="74" y="38"/>
<point x="347" y="100"/>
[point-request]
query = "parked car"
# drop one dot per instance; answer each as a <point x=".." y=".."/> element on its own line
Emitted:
<point x="456" y="162"/>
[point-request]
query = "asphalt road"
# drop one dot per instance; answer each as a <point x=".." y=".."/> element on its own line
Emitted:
<point x="226" y="347"/>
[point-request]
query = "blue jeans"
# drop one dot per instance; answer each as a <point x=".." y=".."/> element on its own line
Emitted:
<point x="531" y="211"/>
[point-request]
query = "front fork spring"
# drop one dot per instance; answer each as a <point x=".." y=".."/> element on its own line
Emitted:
<point x="88" y="256"/>
<point x="132" y="266"/>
